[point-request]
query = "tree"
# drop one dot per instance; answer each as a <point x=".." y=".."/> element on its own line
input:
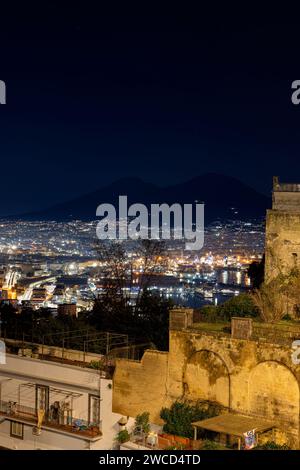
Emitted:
<point x="292" y="293"/>
<point x="271" y="299"/>
<point x="126" y="304"/>
<point x="153" y="319"/>
<point x="279" y="297"/>
<point x="122" y="271"/>
<point x="40" y="326"/>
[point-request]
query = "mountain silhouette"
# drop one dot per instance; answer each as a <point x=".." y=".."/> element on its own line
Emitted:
<point x="225" y="197"/>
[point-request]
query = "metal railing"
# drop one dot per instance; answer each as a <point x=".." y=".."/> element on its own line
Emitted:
<point x="69" y="424"/>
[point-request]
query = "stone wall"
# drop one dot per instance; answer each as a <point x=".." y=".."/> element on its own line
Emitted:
<point x="286" y="201"/>
<point x="282" y="247"/>
<point x="246" y="376"/>
<point x="141" y="386"/>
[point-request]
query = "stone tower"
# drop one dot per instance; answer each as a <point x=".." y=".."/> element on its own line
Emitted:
<point x="282" y="248"/>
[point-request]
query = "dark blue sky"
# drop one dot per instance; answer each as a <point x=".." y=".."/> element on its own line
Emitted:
<point x="94" y="96"/>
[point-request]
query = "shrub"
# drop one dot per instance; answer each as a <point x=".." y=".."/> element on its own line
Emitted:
<point x="211" y="445"/>
<point x="96" y="365"/>
<point x="180" y="415"/>
<point x="209" y="313"/>
<point x="239" y="306"/>
<point x="271" y="445"/>
<point x="271" y="301"/>
<point x="123" y="436"/>
<point x="272" y="298"/>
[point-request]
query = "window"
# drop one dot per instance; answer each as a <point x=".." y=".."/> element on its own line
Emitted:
<point x="94" y="410"/>
<point x="17" y="429"/>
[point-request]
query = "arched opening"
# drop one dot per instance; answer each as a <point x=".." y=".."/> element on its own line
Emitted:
<point x="273" y="393"/>
<point x="207" y="378"/>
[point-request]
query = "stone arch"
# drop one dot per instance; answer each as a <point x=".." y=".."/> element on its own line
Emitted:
<point x="206" y="377"/>
<point x="273" y="393"/>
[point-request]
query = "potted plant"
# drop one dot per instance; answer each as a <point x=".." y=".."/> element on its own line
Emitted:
<point x="123" y="436"/>
<point x="142" y="422"/>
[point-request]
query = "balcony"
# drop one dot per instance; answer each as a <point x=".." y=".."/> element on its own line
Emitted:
<point x="77" y="427"/>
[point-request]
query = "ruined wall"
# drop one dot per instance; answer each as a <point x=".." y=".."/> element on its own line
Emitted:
<point x="246" y="376"/>
<point x="141" y="386"/>
<point x="282" y="247"/>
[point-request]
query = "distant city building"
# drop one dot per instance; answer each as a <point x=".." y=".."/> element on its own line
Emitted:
<point x="67" y="309"/>
<point x="39" y="294"/>
<point x="59" y="290"/>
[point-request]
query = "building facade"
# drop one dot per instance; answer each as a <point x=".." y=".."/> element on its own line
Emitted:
<point x="53" y="406"/>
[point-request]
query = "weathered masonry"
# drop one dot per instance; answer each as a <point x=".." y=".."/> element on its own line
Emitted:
<point x="248" y="371"/>
<point x="283" y="230"/>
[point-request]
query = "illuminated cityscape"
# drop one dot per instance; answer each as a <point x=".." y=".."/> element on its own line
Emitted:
<point x="46" y="264"/>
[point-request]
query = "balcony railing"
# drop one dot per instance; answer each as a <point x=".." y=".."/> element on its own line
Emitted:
<point x="72" y="425"/>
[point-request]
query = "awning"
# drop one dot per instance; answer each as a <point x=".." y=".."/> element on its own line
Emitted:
<point x="234" y="424"/>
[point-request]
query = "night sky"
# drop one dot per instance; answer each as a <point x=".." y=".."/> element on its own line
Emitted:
<point x="93" y="96"/>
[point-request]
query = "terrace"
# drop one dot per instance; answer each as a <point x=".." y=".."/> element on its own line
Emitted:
<point x="70" y="425"/>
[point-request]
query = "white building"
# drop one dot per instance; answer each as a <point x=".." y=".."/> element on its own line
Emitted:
<point x="74" y="405"/>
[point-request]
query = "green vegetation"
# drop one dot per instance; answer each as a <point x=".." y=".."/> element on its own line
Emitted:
<point x="123" y="436"/>
<point x="239" y="306"/>
<point x="214" y="326"/>
<point x="148" y="322"/>
<point x="180" y="415"/>
<point x="97" y="365"/>
<point x="284" y="325"/>
<point x="275" y="298"/>
<point x="211" y="445"/>
<point x="37" y="325"/>
<point x="142" y="422"/>
<point x="271" y="445"/>
<point x="148" y="319"/>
